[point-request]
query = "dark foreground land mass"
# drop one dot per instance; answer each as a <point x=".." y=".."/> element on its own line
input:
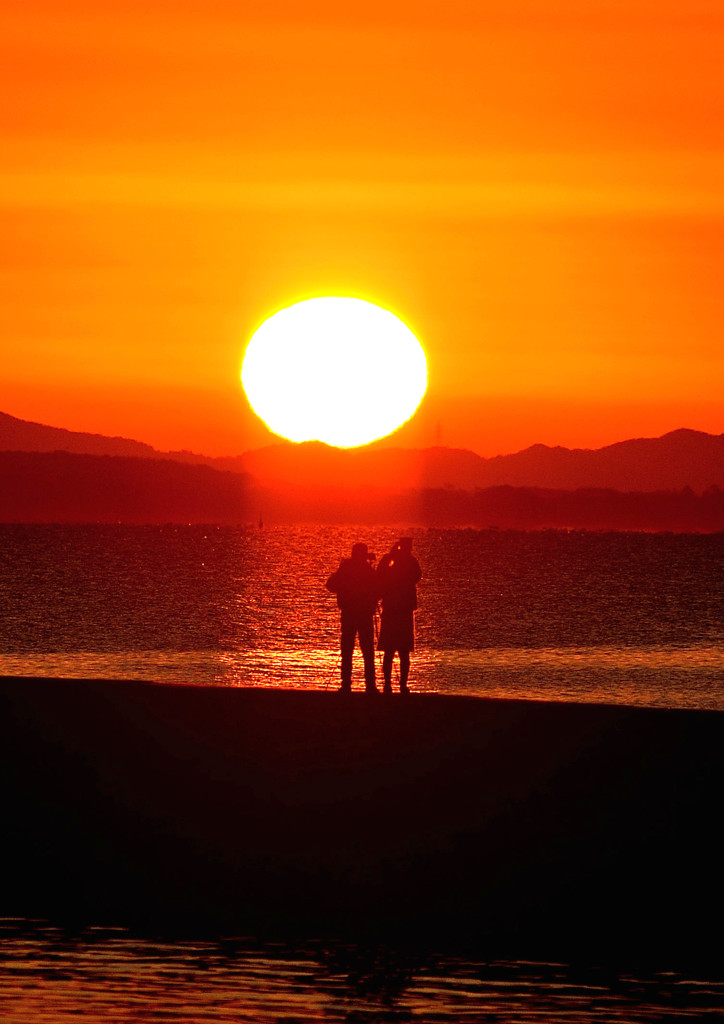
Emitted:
<point x="517" y="827"/>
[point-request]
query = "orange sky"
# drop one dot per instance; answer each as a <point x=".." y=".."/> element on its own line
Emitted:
<point x="534" y="185"/>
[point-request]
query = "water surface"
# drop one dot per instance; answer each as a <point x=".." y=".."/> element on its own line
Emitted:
<point x="102" y="975"/>
<point x="606" y="617"/>
<point x="603" y="617"/>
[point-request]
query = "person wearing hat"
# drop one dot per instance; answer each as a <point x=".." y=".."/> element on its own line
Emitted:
<point x="356" y="586"/>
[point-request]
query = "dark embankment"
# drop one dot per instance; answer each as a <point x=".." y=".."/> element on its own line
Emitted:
<point x="519" y="827"/>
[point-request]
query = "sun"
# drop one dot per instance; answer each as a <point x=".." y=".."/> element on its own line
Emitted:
<point x="335" y="369"/>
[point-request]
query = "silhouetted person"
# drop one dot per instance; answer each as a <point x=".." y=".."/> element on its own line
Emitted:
<point x="398" y="574"/>
<point x="355" y="584"/>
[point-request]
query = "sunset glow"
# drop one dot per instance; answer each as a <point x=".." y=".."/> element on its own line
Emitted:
<point x="338" y="370"/>
<point x="536" y="184"/>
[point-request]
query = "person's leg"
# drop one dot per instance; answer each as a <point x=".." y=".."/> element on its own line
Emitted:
<point x="349" y="630"/>
<point x="404" y="670"/>
<point x="387" y="670"/>
<point x="367" y="646"/>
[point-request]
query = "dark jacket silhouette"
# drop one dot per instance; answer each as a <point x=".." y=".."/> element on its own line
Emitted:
<point x="356" y="585"/>
<point x="398" y="574"/>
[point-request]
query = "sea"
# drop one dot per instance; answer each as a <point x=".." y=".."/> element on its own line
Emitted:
<point x="593" y="617"/>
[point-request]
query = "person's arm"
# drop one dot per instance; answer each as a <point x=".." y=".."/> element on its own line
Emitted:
<point x="334" y="581"/>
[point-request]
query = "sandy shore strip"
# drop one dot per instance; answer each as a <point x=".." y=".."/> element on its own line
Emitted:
<point x="517" y="827"/>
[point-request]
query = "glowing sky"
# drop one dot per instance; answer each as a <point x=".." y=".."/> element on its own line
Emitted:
<point x="534" y="185"/>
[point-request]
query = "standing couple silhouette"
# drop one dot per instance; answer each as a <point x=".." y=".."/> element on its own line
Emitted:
<point x="359" y="587"/>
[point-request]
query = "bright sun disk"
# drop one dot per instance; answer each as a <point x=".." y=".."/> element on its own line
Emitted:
<point x="338" y="370"/>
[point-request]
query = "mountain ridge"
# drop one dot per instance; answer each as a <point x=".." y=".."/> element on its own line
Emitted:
<point x="679" y="458"/>
<point x="61" y="487"/>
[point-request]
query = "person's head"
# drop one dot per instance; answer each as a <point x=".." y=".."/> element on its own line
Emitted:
<point x="404" y="545"/>
<point x="361" y="554"/>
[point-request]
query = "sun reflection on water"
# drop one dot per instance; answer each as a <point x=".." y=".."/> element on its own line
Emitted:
<point x="617" y="618"/>
<point x="654" y="677"/>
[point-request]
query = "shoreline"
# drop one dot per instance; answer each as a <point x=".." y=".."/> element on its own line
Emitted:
<point x="516" y="826"/>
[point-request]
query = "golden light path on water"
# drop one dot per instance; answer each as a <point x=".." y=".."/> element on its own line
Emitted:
<point x="107" y="975"/>
<point x="645" y="676"/>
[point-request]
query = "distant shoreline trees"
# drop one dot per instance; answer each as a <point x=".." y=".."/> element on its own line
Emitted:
<point x="46" y="487"/>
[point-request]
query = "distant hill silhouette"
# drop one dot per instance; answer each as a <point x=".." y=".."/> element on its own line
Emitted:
<point x="63" y="487"/>
<point x="23" y="436"/>
<point x="681" y="458"/>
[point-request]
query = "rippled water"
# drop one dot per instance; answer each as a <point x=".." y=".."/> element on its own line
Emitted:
<point x="622" y="618"/>
<point x="611" y="617"/>
<point x="101" y="975"/>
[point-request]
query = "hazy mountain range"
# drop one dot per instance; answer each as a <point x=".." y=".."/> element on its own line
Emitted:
<point x="49" y="475"/>
<point x="681" y="458"/>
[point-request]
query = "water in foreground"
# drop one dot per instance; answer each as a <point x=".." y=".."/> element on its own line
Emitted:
<point x="102" y="975"/>
<point x="610" y="618"/>
<point x="517" y="831"/>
